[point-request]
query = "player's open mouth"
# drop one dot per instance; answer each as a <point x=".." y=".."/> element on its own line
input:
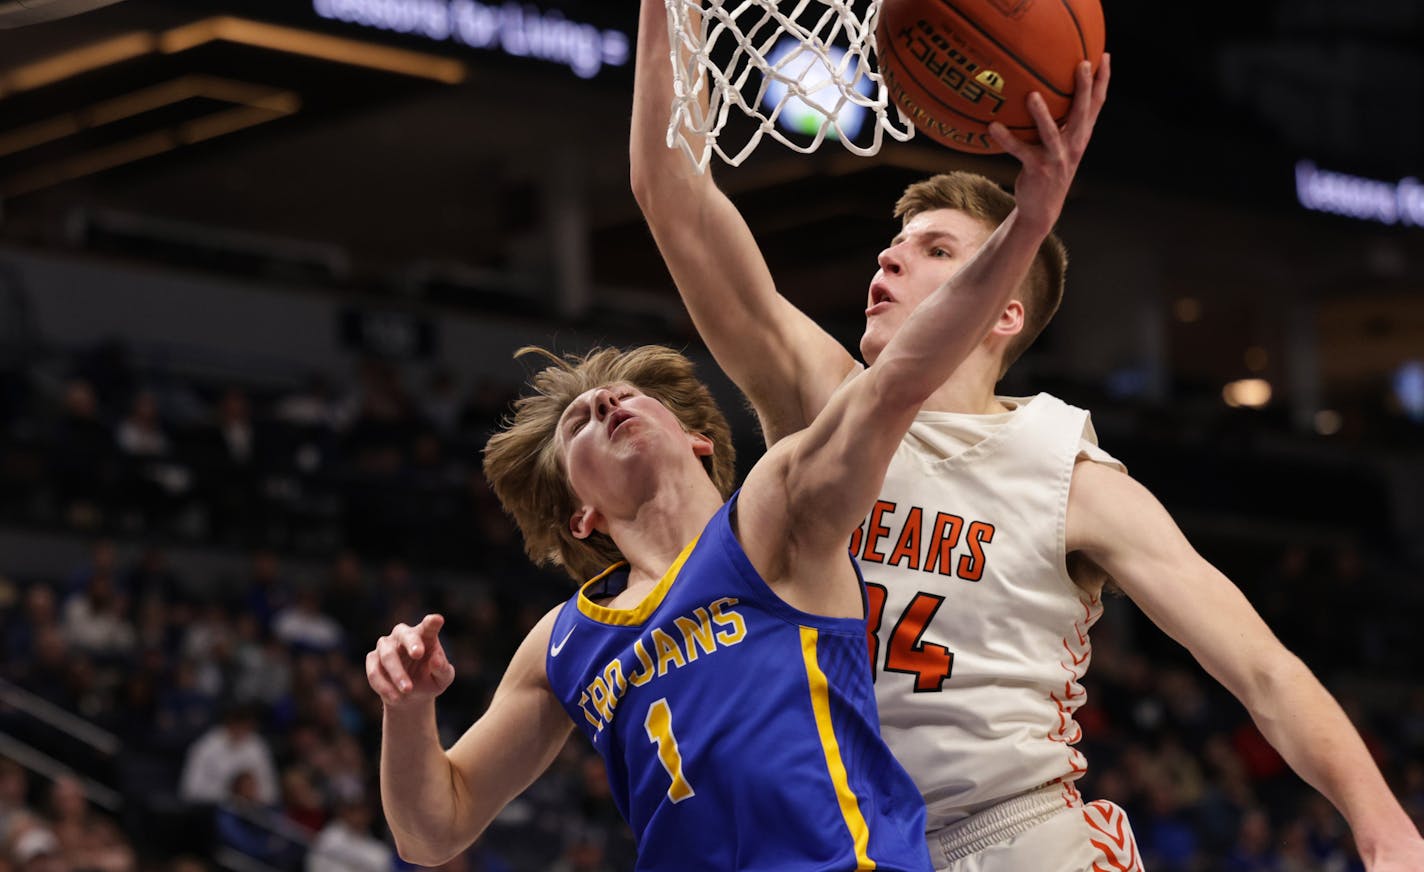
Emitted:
<point x="616" y="419"/>
<point x="880" y="299"/>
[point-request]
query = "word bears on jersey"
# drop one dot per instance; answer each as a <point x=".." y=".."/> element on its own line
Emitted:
<point x="921" y="541"/>
<point x="660" y="649"/>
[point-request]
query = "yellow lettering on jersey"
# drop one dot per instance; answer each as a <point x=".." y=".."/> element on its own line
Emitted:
<point x="668" y="651"/>
<point x="613" y="677"/>
<point x="638" y="679"/>
<point x="697" y="634"/>
<point x="737" y="627"/>
<point x="599" y="691"/>
<point x="583" y="706"/>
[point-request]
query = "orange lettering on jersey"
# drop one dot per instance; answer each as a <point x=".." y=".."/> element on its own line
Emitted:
<point x="638" y="679"/>
<point x="946" y="535"/>
<point x="696" y="634"/>
<point x="908" y="547"/>
<point x="971" y="565"/>
<point x="855" y="542"/>
<point x="668" y="651"/>
<point x="877" y="531"/>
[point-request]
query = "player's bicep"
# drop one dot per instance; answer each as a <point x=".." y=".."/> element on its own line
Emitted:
<point x="515" y="740"/>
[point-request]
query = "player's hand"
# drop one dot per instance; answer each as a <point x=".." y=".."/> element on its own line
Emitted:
<point x="1048" y="168"/>
<point x="409" y="666"/>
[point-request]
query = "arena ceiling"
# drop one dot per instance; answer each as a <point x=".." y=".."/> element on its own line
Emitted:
<point x="267" y="132"/>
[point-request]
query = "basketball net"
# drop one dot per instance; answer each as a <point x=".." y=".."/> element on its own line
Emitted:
<point x="809" y="61"/>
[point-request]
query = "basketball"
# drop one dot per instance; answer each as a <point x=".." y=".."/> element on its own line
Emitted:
<point x="955" y="66"/>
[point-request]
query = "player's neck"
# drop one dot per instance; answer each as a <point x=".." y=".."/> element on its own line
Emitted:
<point x="969" y="391"/>
<point x="654" y="534"/>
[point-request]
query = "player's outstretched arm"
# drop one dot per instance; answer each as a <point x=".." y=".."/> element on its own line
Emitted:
<point x="439" y="802"/>
<point x="785" y="364"/>
<point x="1121" y="527"/>
<point x="836" y="467"/>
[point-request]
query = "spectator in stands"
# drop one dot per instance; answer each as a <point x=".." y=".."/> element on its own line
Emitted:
<point x="96" y="620"/>
<point x="141" y="434"/>
<point x="151" y="578"/>
<point x="441" y="403"/>
<point x="266" y="592"/>
<point x="33" y="847"/>
<point x="346" y="597"/>
<point x="89" y="841"/>
<point x="1253" y="845"/>
<point x="225" y="751"/>
<point x="302" y="803"/>
<point x="38" y="614"/>
<point x="346" y="844"/>
<point x="309" y="407"/>
<point x="226" y="455"/>
<point x="14" y="796"/>
<point x="249" y="825"/>
<point x="304" y="626"/>
<point x="262" y="667"/>
<point x="82" y="458"/>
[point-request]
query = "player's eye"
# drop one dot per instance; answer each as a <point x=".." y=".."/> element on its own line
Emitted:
<point x="938" y="252"/>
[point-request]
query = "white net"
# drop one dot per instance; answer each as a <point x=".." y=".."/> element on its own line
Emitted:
<point x="809" y="62"/>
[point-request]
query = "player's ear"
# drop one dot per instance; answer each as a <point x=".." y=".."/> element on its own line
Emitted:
<point x="584" y="522"/>
<point x="1011" y="320"/>
<point x="702" y="446"/>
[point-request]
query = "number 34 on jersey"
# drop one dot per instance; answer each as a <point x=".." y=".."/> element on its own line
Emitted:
<point x="926" y="544"/>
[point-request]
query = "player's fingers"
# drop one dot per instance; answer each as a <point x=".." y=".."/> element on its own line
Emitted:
<point x="442" y="668"/>
<point x="1047" y="127"/>
<point x="1080" y="113"/>
<point x="378" y="681"/>
<point x="388" y="652"/>
<point x="1009" y="143"/>
<point x="428" y="634"/>
<point x="1100" y="81"/>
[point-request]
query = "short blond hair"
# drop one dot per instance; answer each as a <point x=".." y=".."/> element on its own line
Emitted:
<point x="525" y="468"/>
<point x="978" y="197"/>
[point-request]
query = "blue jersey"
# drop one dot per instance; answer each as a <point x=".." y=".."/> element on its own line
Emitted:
<point x="738" y="732"/>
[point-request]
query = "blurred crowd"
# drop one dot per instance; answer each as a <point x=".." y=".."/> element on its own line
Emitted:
<point x="238" y="703"/>
<point x="246" y="723"/>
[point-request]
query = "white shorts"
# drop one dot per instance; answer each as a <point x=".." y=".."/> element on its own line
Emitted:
<point x="1045" y="830"/>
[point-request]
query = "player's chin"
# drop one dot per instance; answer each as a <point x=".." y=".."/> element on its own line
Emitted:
<point x="872" y="342"/>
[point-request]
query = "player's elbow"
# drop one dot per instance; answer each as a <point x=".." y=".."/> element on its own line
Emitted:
<point x="425" y="852"/>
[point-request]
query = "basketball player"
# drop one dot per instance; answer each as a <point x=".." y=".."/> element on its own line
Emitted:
<point x="1000" y="519"/>
<point x="718" y="666"/>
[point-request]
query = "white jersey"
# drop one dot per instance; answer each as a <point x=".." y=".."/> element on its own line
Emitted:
<point x="980" y="635"/>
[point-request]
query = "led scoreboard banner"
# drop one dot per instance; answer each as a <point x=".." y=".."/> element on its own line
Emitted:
<point x="589" y="40"/>
<point x="523" y="30"/>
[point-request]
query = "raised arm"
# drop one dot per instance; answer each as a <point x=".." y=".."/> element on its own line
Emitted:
<point x="1116" y="523"/>
<point x="786" y="365"/>
<point x="438" y="802"/>
<point x="832" y="472"/>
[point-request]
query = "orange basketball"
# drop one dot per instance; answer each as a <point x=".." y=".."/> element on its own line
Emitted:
<point x="953" y="66"/>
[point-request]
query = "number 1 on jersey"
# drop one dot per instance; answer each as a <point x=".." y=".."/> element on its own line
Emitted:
<point x="658" y="723"/>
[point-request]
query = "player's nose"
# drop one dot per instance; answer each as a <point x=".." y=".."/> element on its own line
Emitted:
<point x="604" y="402"/>
<point x="889" y="261"/>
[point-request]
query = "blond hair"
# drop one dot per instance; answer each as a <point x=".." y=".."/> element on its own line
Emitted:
<point x="524" y="465"/>
<point x="979" y="198"/>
